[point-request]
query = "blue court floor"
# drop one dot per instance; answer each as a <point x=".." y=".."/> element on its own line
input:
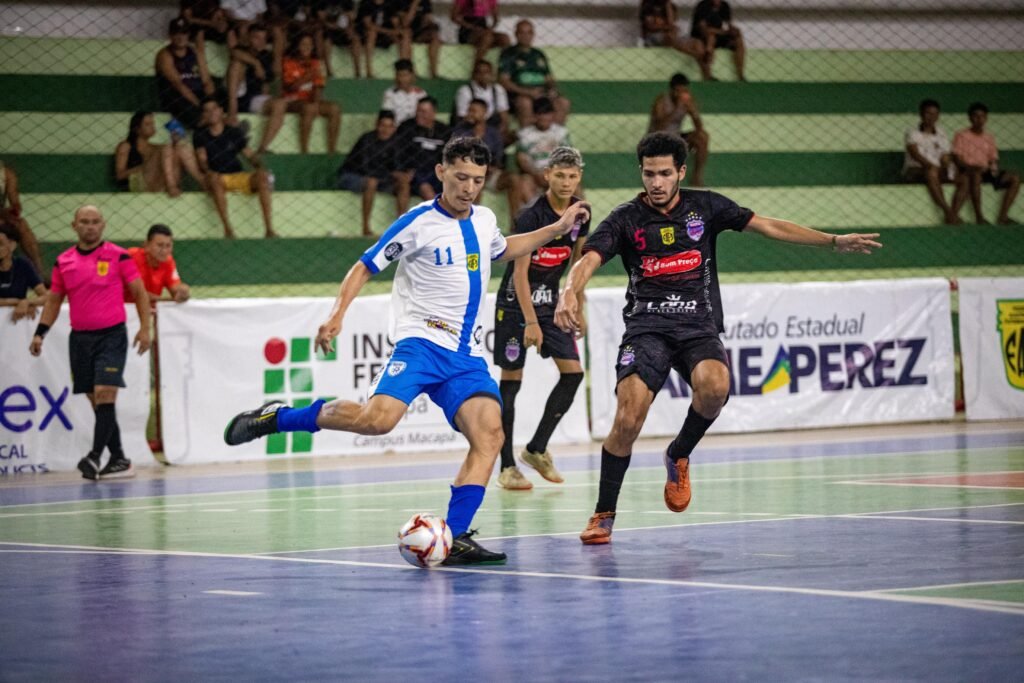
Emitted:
<point x="872" y="554"/>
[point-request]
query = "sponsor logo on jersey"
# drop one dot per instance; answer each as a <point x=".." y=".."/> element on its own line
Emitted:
<point x="512" y="350"/>
<point x="670" y="265"/>
<point x="1010" y="324"/>
<point x="695" y="229"/>
<point x="668" y="235"/>
<point x="473" y="262"/>
<point x="627" y="356"/>
<point x="438" y="324"/>
<point x="392" y="251"/>
<point x="673" y="304"/>
<point x="395" y="367"/>
<point x="549" y="257"/>
<point x="102" y="268"/>
<point x="543" y="295"/>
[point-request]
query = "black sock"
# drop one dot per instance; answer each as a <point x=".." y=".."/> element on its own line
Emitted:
<point x="692" y="432"/>
<point x="114" y="445"/>
<point x="106" y="420"/>
<point x="558" y="404"/>
<point x="613" y="471"/>
<point x="508" y="388"/>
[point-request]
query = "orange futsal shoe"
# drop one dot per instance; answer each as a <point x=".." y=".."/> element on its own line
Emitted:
<point x="677" y="487"/>
<point x="599" y="529"/>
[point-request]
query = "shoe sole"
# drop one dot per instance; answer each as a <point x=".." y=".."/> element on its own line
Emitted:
<point x="118" y="475"/>
<point x="676" y="508"/>
<point x="487" y="563"/>
<point x="604" y="540"/>
<point x="515" y="488"/>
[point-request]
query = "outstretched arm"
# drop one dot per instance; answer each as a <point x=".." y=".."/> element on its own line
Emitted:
<point x="787" y="231"/>
<point x="358" y="275"/>
<point x="568" y="312"/>
<point x="527" y="243"/>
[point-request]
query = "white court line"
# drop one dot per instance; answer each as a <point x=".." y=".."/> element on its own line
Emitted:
<point x="241" y="594"/>
<point x="966" y="584"/>
<point x="930" y="519"/>
<point x="929" y="486"/>
<point x="817" y="592"/>
<point x="724" y="463"/>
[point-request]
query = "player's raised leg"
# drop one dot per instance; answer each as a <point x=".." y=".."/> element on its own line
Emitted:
<point x="379" y="415"/>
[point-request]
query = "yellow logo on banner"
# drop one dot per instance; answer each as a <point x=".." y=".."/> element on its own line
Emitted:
<point x="1010" y="314"/>
<point x="473" y="261"/>
<point x="102" y="268"/>
<point x="668" y="235"/>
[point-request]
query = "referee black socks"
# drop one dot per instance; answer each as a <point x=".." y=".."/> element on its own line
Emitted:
<point x="106" y="423"/>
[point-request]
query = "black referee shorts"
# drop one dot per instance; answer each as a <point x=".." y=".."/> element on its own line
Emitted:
<point x="509" y="352"/>
<point x="652" y="356"/>
<point x="98" y="358"/>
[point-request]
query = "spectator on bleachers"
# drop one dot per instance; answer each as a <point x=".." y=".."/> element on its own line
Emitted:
<point x="18" y="278"/>
<point x="303" y="80"/>
<point x="142" y="166"/>
<point x="10" y="213"/>
<point x="476" y="124"/>
<point x="336" y="27"/>
<point x="525" y="73"/>
<point x="417" y="16"/>
<point x="481" y="86"/>
<point x="477" y="21"/>
<point x="658" y="29"/>
<point x="928" y="159"/>
<point x="712" y="25"/>
<point x="668" y="114"/>
<point x="250" y="74"/>
<point x="241" y="15"/>
<point x="206" y="17"/>
<point x="218" y="147"/>
<point x="534" y="148"/>
<point x="420" y="141"/>
<point x="155" y="261"/>
<point x="404" y="95"/>
<point x="977" y="156"/>
<point x="378" y="23"/>
<point x="182" y="77"/>
<point x="370" y="166"/>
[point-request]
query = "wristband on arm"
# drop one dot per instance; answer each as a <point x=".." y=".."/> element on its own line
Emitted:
<point x="41" y="330"/>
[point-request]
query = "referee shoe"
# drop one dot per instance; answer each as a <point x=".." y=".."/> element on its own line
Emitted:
<point x="89" y="467"/>
<point x="467" y="551"/>
<point x="252" y="424"/>
<point x="118" y="468"/>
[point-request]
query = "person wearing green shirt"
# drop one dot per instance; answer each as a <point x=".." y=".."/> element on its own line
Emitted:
<point x="524" y="72"/>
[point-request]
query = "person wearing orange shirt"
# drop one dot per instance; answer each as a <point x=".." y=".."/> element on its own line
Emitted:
<point x="977" y="156"/>
<point x="157" y="269"/>
<point x="302" y="75"/>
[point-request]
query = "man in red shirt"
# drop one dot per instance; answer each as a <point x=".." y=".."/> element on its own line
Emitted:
<point x="93" y="275"/>
<point x="155" y="262"/>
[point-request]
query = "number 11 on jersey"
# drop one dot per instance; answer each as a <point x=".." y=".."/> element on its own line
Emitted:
<point x="437" y="257"/>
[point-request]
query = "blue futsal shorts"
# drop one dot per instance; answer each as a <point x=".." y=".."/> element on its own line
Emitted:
<point x="418" y="366"/>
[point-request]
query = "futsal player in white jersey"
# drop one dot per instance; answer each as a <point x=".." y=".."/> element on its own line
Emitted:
<point x="444" y="249"/>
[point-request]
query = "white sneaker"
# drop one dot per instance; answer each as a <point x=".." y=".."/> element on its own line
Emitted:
<point x="543" y="464"/>
<point x="513" y="480"/>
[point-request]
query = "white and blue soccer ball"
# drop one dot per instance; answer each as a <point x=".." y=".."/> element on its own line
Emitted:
<point x="425" y="540"/>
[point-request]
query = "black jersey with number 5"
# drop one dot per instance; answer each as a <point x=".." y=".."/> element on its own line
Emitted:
<point x="547" y="264"/>
<point x="670" y="260"/>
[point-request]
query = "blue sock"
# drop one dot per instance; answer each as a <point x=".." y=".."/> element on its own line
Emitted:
<point x="299" y="419"/>
<point x="464" y="503"/>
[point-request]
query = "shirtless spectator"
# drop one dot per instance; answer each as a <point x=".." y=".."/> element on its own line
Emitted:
<point x="182" y="77"/>
<point x="155" y="261"/>
<point x="10" y="213"/>
<point x="668" y="115"/>
<point x="143" y="166"/>
<point x="304" y="80"/>
<point x="534" y="149"/>
<point x="404" y="95"/>
<point x="336" y="27"/>
<point x="250" y="75"/>
<point x="378" y="23"/>
<point x="18" y="278"/>
<point x="712" y="25"/>
<point x="658" y="29"/>
<point x="977" y="156"/>
<point x="929" y="159"/>
<point x="525" y="73"/>
<point x="481" y="86"/>
<point x="218" y="147"/>
<point x="370" y="166"/>
<point x="477" y="21"/>
<point x="417" y="16"/>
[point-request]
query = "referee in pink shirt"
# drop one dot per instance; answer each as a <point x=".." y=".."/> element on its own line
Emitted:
<point x="93" y="275"/>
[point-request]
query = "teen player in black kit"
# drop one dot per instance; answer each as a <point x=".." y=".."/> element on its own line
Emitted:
<point x="524" y="317"/>
<point x="673" y="314"/>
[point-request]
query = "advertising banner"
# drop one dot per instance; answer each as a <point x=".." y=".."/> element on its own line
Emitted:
<point x="992" y="347"/>
<point x="219" y="357"/>
<point x="804" y="355"/>
<point x="43" y="426"/>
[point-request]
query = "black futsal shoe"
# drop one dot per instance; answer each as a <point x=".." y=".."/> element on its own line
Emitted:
<point x="253" y="424"/>
<point x="89" y="467"/>
<point x="467" y="551"/>
<point x="118" y="468"/>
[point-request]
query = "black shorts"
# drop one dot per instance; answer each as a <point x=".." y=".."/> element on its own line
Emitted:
<point x="725" y="41"/>
<point x="652" y="356"/>
<point x="1000" y="181"/>
<point x="509" y="353"/>
<point x="97" y="358"/>
<point x="466" y="35"/>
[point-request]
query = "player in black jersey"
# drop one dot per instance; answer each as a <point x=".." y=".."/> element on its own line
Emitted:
<point x="673" y="314"/>
<point x="525" y="314"/>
